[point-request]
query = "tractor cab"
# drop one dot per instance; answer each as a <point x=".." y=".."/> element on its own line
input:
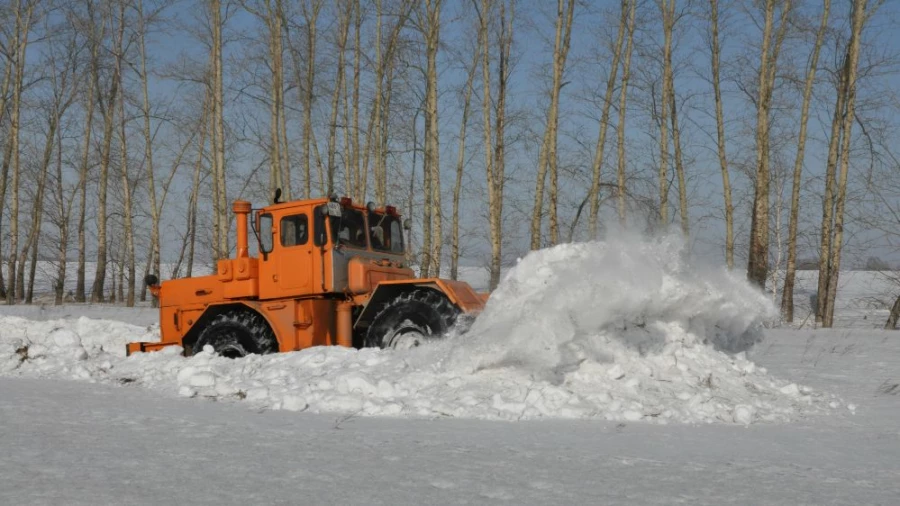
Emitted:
<point x="328" y="246"/>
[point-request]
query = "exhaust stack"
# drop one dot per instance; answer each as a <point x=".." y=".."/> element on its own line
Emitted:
<point x="241" y="209"/>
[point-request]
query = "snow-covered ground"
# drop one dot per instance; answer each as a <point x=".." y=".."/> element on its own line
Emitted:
<point x="639" y="376"/>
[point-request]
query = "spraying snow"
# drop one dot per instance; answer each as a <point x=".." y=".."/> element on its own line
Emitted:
<point x="626" y="329"/>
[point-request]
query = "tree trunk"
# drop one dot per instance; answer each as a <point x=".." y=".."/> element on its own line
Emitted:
<point x="21" y="43"/>
<point x="720" y="133"/>
<point x="787" y="294"/>
<point x="65" y="211"/>
<point x="620" y="128"/>
<point x="858" y="20"/>
<point x="679" y="164"/>
<point x="432" y="137"/>
<point x="153" y="258"/>
<point x="128" y="260"/>
<point x="109" y="109"/>
<point x="757" y="268"/>
<point x="37" y="212"/>
<point x="359" y="192"/>
<point x="495" y="157"/>
<point x="597" y="165"/>
<point x="7" y="155"/>
<point x="891" y="323"/>
<point x="495" y="205"/>
<point x="195" y="187"/>
<point x="307" y="92"/>
<point x="343" y="30"/>
<point x="667" y="8"/>
<point x="547" y="159"/>
<point x="460" y="166"/>
<point x="828" y="196"/>
<point x="97" y="34"/>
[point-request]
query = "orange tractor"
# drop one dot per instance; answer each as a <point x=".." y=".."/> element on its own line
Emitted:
<point x="329" y="272"/>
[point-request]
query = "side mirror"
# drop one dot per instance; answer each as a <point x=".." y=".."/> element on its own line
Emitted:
<point x="334" y="209"/>
<point x="407" y="224"/>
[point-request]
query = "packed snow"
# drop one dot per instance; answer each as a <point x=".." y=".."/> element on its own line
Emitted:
<point x="624" y="330"/>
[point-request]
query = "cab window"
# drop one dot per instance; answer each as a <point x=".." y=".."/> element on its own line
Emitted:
<point x="294" y="230"/>
<point x="386" y="233"/>
<point x="349" y="229"/>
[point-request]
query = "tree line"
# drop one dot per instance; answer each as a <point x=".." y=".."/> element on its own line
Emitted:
<point x="760" y="129"/>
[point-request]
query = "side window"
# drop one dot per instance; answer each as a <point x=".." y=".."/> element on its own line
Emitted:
<point x="265" y="233"/>
<point x="396" y="244"/>
<point x="294" y="230"/>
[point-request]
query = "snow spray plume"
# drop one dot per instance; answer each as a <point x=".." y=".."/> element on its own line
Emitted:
<point x="561" y="306"/>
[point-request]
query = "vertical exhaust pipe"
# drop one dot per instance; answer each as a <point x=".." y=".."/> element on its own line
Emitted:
<point x="241" y="209"/>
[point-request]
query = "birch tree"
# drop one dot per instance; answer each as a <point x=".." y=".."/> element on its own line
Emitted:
<point x="597" y="164"/>
<point x="547" y="158"/>
<point x="758" y="263"/>
<point x="24" y="13"/>
<point x="461" y="163"/>
<point x="495" y="157"/>
<point x="108" y="109"/>
<point x="620" y="128"/>
<point x="830" y="274"/>
<point x="787" y="294"/>
<point x="715" y="54"/>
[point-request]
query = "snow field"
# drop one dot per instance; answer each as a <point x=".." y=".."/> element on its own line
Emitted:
<point x="622" y="330"/>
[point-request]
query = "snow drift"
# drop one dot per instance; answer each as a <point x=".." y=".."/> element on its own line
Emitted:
<point x="626" y="329"/>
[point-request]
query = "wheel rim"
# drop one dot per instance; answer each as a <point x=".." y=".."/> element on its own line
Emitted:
<point x="231" y="351"/>
<point x="408" y="337"/>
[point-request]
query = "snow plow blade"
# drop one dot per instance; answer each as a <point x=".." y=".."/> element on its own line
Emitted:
<point x="138" y="347"/>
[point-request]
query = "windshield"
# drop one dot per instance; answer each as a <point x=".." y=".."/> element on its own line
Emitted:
<point x="386" y="233"/>
<point x="349" y="229"/>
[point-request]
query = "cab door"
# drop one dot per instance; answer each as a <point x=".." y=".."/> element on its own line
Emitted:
<point x="293" y="254"/>
<point x="285" y="261"/>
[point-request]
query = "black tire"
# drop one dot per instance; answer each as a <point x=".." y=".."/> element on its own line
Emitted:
<point x="238" y="333"/>
<point x="410" y="318"/>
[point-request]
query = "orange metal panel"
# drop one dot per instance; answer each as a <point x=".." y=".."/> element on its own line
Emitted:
<point x="459" y="292"/>
<point x="364" y="274"/>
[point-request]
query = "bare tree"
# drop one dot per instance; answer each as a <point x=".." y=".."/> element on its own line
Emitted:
<point x="495" y="156"/>
<point x="715" y="53"/>
<point x="96" y="28"/>
<point x="758" y="265"/>
<point x="24" y="15"/>
<point x="620" y="128"/>
<point x="108" y="109"/>
<point x="787" y="294"/>
<point x="217" y="104"/>
<point x="547" y="159"/>
<point x="668" y="20"/>
<point x="849" y="87"/>
<point x="345" y="11"/>
<point x="271" y="14"/>
<point x="596" y="166"/>
<point x="429" y="23"/>
<point x="64" y="90"/>
<point x="460" y="164"/>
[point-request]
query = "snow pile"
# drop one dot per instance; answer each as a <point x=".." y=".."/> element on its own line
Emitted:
<point x="620" y="330"/>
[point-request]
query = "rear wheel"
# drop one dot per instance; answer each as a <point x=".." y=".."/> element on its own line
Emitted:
<point x="238" y="333"/>
<point x="412" y="318"/>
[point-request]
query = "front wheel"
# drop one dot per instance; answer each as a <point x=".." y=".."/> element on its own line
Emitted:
<point x="238" y="333"/>
<point x="412" y="318"/>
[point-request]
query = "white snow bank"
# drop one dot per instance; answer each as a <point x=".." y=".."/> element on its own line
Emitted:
<point x="618" y="330"/>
